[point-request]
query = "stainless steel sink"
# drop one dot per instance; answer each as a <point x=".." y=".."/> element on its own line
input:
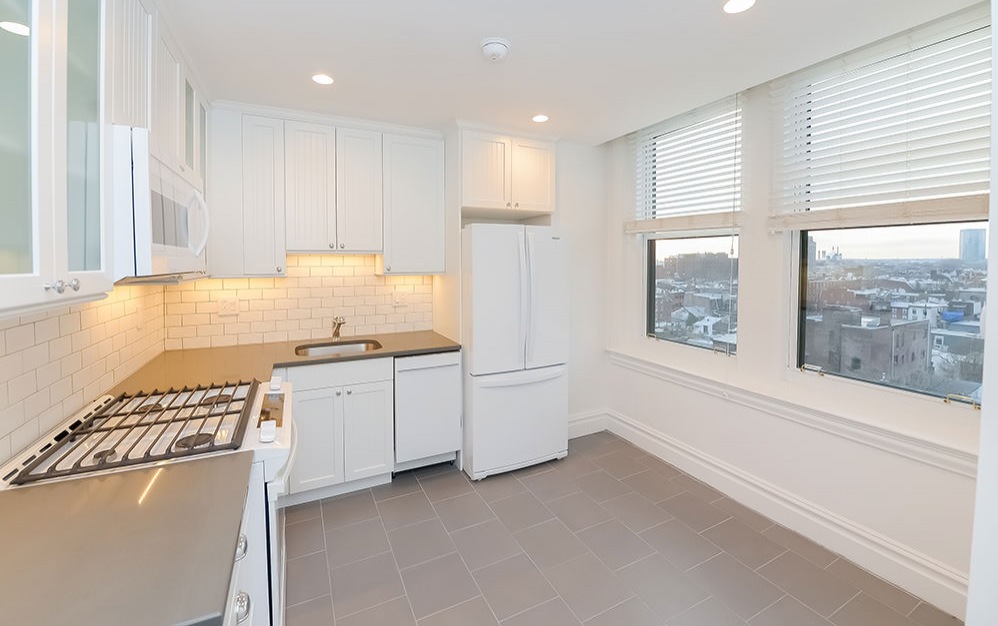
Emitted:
<point x="338" y="348"/>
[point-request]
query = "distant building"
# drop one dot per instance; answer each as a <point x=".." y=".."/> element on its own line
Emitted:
<point x="839" y="342"/>
<point x="972" y="245"/>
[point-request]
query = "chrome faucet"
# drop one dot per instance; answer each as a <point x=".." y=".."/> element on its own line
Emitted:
<point x="338" y="322"/>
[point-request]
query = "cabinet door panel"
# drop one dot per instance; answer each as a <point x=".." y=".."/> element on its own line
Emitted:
<point x="358" y="191"/>
<point x="263" y="196"/>
<point x="368" y="432"/>
<point x="131" y="33"/>
<point x="318" y="460"/>
<point x="533" y="175"/>
<point x="485" y="170"/>
<point x="414" y="205"/>
<point x="166" y="121"/>
<point x="310" y="175"/>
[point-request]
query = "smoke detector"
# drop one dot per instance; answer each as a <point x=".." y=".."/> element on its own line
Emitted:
<point x="495" y="48"/>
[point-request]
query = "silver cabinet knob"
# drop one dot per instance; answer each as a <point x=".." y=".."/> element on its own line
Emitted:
<point x="343" y="245"/>
<point x="242" y="607"/>
<point x="508" y="205"/>
<point x="280" y="269"/>
<point x="74" y="284"/>
<point x="388" y="269"/>
<point x="58" y="286"/>
<point x="241" y="546"/>
<point x="349" y="392"/>
<point x="332" y="245"/>
<point x="339" y="393"/>
<point x="517" y="205"/>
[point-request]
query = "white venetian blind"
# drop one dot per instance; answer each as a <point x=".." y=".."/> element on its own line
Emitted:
<point x="906" y="120"/>
<point x="690" y="164"/>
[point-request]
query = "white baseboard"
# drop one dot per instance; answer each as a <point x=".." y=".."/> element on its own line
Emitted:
<point x="914" y="571"/>
<point x="588" y="423"/>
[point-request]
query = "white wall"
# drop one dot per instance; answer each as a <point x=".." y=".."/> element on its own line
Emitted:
<point x="581" y="194"/>
<point x="982" y="604"/>
<point x="884" y="477"/>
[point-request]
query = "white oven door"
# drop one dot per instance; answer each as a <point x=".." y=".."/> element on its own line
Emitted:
<point x="249" y="588"/>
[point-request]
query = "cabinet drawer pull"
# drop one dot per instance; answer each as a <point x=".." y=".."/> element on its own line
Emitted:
<point x="339" y="393"/>
<point x="349" y="392"/>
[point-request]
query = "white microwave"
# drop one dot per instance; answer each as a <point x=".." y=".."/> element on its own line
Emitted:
<point x="160" y="220"/>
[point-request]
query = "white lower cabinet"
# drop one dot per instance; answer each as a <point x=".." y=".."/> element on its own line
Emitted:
<point x="344" y="420"/>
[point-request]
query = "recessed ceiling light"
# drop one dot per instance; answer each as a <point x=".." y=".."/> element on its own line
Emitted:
<point x="540" y="118"/>
<point x="737" y="6"/>
<point x="16" y="27"/>
<point x="323" y="79"/>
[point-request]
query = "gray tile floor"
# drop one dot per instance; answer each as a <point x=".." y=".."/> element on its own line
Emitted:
<point x="608" y="536"/>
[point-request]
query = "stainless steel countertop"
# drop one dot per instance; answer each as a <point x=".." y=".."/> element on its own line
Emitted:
<point x="177" y="368"/>
<point x="151" y="546"/>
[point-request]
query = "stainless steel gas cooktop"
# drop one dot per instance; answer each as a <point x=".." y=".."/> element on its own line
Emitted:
<point x="145" y="428"/>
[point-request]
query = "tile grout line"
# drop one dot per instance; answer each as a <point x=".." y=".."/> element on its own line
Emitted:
<point x="854" y="596"/>
<point x="459" y="555"/>
<point x="765" y="608"/>
<point x="785" y="550"/>
<point x="398" y="571"/>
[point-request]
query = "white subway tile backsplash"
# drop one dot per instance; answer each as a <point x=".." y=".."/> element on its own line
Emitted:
<point x="299" y="306"/>
<point x="51" y="361"/>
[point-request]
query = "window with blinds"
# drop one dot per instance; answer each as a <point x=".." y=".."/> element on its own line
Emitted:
<point x="690" y="164"/>
<point x="912" y="123"/>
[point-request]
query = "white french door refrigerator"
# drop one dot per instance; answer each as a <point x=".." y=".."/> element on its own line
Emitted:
<point x="515" y="343"/>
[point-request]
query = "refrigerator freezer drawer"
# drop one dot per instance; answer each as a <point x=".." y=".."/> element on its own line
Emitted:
<point x="514" y="420"/>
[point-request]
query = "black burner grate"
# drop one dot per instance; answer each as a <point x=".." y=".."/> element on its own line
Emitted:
<point x="144" y="428"/>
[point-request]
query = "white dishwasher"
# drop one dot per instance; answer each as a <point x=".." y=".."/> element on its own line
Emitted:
<point x="428" y="409"/>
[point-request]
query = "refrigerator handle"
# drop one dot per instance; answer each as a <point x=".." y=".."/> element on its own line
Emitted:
<point x="531" y="297"/>
<point x="524" y="292"/>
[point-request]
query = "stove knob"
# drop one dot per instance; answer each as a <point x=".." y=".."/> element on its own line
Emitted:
<point x="241" y="546"/>
<point x="242" y="607"/>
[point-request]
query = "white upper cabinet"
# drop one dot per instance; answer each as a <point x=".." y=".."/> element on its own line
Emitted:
<point x="164" y="139"/>
<point x="52" y="244"/>
<point x="246" y="195"/>
<point x="129" y="62"/>
<point x="310" y="186"/>
<point x="414" y="206"/>
<point x="533" y="175"/>
<point x="506" y="175"/>
<point x="333" y="188"/>
<point x="486" y="171"/>
<point x="178" y="133"/>
<point x="358" y="191"/>
<point x="263" y="196"/>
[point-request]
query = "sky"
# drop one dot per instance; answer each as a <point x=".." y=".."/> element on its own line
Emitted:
<point x="925" y="241"/>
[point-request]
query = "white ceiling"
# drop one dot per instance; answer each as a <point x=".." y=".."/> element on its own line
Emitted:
<point x="600" y="69"/>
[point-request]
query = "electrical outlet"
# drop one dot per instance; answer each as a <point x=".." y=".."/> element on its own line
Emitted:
<point x="400" y="298"/>
<point x="228" y="306"/>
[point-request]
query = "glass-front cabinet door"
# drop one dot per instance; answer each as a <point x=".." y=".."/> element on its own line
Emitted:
<point x="20" y="259"/>
<point x="52" y="235"/>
